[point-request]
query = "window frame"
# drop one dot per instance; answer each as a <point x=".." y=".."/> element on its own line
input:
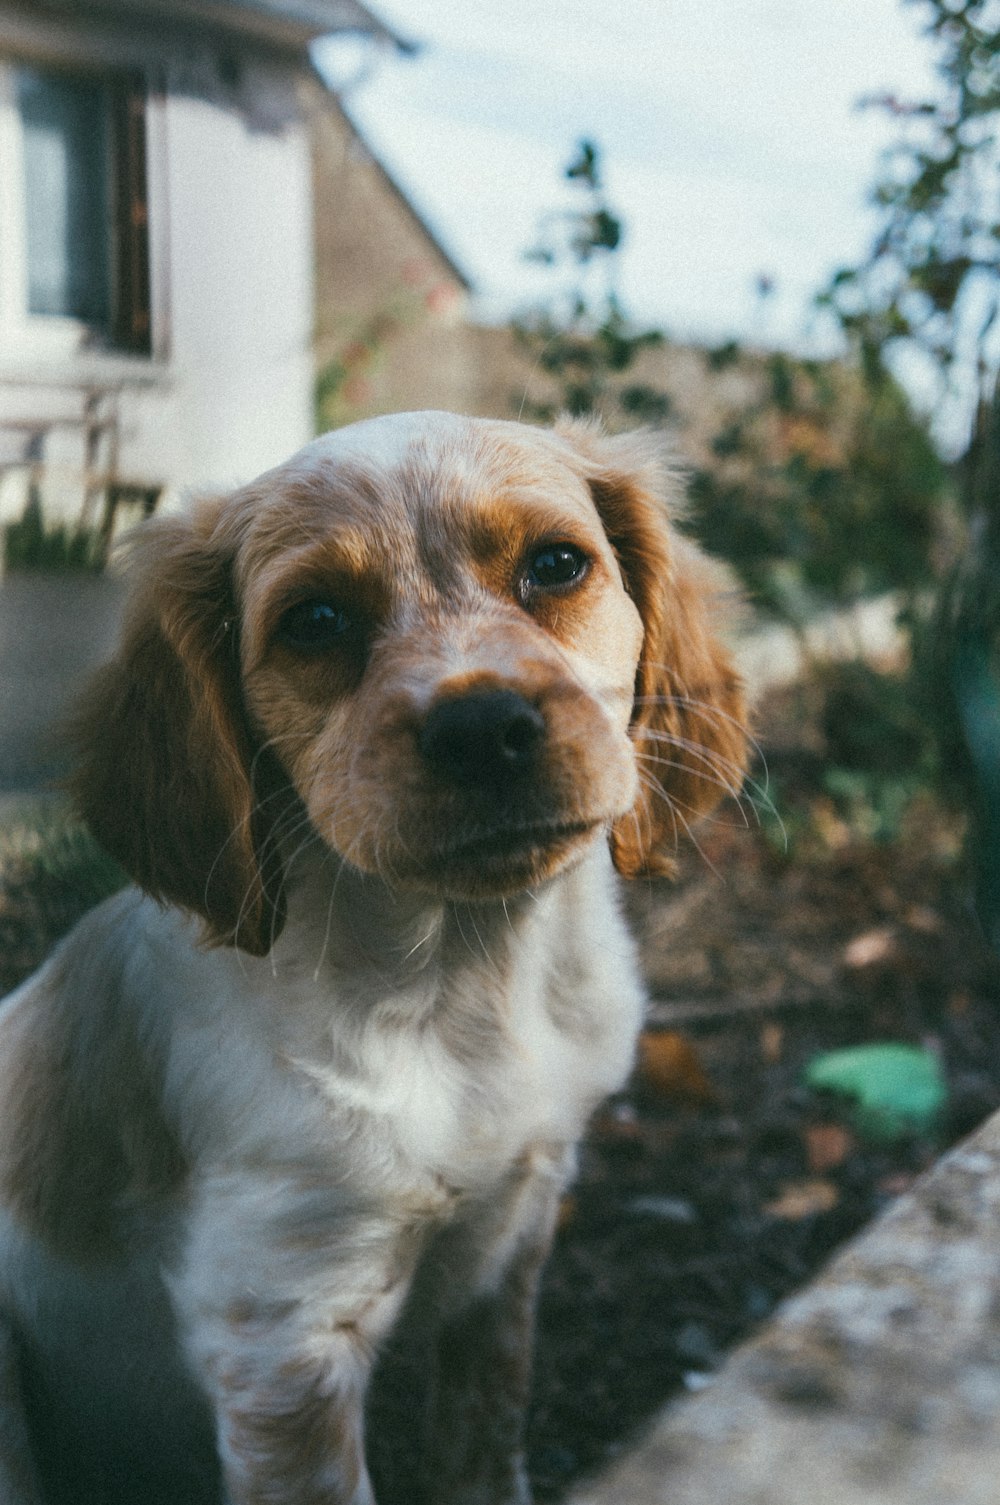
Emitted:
<point x="129" y="328"/>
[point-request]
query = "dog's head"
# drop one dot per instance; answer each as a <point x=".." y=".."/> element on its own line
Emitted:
<point x="468" y="648"/>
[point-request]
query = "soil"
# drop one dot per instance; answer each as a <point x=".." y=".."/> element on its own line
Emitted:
<point x="716" y="1183"/>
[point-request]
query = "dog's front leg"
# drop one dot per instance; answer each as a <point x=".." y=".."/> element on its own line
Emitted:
<point x="486" y="1337"/>
<point x="289" y="1421"/>
<point x="284" y="1298"/>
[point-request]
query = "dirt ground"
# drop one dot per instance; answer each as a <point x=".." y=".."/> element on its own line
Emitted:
<point x="717" y="1183"/>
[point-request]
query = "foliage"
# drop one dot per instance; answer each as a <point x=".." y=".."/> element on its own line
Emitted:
<point x="46" y="842"/>
<point x="932" y="284"/>
<point x="31" y="544"/>
<point x="582" y="340"/>
<point x="872" y="770"/>
<point x="820" y="522"/>
<point x="931" y="279"/>
<point x="958" y="663"/>
<point x="822" y="485"/>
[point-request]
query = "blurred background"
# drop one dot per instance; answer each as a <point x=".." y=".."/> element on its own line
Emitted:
<point x="769" y="229"/>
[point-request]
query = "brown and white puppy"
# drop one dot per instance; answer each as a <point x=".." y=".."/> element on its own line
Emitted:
<point x="381" y="727"/>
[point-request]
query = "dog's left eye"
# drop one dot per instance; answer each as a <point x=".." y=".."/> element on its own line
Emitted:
<point x="558" y="564"/>
<point x="312" y="626"/>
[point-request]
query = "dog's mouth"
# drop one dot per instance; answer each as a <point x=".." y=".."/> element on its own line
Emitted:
<point x="499" y="862"/>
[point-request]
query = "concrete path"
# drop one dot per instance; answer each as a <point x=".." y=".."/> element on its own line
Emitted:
<point x="878" y="1384"/>
<point x="54" y="629"/>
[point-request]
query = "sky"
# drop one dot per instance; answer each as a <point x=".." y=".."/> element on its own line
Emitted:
<point x="730" y="134"/>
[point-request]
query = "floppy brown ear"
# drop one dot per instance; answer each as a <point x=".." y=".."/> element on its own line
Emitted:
<point x="689" y="719"/>
<point x="167" y="779"/>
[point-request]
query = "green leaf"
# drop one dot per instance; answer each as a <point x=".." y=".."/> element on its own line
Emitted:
<point x="585" y="165"/>
<point x="897" y="1089"/>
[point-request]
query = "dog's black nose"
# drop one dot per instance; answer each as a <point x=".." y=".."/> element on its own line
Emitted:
<point x="482" y="737"/>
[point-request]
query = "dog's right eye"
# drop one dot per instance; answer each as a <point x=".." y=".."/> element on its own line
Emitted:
<point x="313" y="626"/>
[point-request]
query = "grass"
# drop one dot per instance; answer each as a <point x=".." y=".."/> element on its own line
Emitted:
<point x="51" y="872"/>
<point x="41" y="840"/>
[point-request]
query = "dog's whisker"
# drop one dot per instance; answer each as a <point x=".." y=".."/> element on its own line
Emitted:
<point x="654" y="789"/>
<point x="708" y="711"/>
<point x="705" y="765"/>
<point x="710" y="819"/>
<point x="678" y="812"/>
<point x="328" y="927"/>
<point x="659" y="762"/>
<point x="710" y="754"/>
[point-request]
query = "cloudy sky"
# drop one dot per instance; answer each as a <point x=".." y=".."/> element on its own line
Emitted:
<point x="730" y="132"/>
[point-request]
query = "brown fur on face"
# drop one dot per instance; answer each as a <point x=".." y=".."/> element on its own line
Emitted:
<point x="690" y="718"/>
<point x="170" y="779"/>
<point x="206" y="729"/>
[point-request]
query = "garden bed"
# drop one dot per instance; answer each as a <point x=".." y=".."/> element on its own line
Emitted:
<point x="718" y="1183"/>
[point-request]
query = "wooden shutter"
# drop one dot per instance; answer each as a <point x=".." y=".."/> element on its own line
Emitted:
<point x="131" y="321"/>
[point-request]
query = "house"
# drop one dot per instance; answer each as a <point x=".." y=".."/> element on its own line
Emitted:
<point x="158" y="239"/>
<point x="392" y="327"/>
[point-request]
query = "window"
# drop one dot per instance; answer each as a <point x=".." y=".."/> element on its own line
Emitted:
<point x="86" y="244"/>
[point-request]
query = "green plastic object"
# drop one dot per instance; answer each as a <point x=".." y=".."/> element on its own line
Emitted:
<point x="898" y="1089"/>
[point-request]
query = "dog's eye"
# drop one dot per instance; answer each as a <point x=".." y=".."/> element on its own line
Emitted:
<point x="312" y="626"/>
<point x="558" y="564"/>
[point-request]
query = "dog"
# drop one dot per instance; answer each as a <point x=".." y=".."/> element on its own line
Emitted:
<point x="381" y="728"/>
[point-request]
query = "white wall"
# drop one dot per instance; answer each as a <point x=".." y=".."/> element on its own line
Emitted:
<point x="228" y="390"/>
<point x="233" y="274"/>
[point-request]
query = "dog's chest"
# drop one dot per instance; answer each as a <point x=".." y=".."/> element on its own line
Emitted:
<point x="480" y="1058"/>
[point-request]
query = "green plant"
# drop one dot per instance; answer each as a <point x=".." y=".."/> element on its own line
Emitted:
<point x="45" y="842"/>
<point x="931" y="286"/>
<point x="823" y="486"/>
<point x="33" y="544"/>
<point x="867" y="772"/>
<point x="930" y="281"/>
<point x="581" y="339"/>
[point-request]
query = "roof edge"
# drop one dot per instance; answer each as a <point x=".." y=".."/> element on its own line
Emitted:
<point x="400" y="194"/>
<point x="290" y="24"/>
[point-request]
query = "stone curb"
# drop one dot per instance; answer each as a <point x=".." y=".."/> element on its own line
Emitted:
<point x="878" y="1384"/>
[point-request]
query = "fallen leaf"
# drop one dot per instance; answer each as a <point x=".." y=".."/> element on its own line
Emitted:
<point x="567" y="1211"/>
<point x="921" y="917"/>
<point x="827" y="1146"/>
<point x="898" y="1089"/>
<point x="772" y="1040"/>
<point x="875" y="948"/>
<point x="669" y="1067"/>
<point x="895" y="1184"/>
<point x="616" y="1121"/>
<point x="802" y="1199"/>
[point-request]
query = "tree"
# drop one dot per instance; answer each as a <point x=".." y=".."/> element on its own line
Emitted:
<point x="931" y="285"/>
<point x="822" y="487"/>
<point x="819" y="488"/>
<point x="582" y="340"/>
